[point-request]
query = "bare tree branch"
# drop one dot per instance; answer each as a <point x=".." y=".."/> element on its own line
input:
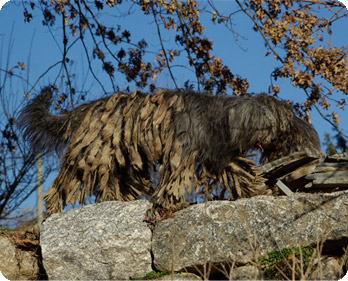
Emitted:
<point x="163" y="48"/>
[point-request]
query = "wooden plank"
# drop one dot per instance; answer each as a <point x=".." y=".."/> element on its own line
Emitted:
<point x="343" y="157"/>
<point x="300" y="172"/>
<point x="328" y="175"/>
<point x="334" y="182"/>
<point x="328" y="180"/>
<point x="324" y="187"/>
<point x="284" y="188"/>
<point x="285" y="164"/>
<point x="331" y="167"/>
<point x="327" y="185"/>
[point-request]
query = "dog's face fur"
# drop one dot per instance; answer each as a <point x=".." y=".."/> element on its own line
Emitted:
<point x="113" y="144"/>
<point x="292" y="133"/>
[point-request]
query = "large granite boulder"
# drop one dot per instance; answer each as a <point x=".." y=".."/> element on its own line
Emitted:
<point x="102" y="241"/>
<point x="238" y="232"/>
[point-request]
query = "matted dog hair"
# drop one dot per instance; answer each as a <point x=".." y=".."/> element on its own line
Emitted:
<point x="194" y="141"/>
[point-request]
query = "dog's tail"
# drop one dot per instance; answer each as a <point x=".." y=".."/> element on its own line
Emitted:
<point x="41" y="129"/>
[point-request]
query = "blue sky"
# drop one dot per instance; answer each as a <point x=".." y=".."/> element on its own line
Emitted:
<point x="34" y="45"/>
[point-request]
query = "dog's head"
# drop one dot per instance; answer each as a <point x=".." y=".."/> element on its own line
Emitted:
<point x="291" y="133"/>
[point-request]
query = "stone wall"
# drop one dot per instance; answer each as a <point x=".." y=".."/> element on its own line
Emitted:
<point x="111" y="240"/>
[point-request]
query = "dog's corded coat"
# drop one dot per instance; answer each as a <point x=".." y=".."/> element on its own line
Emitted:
<point x="194" y="141"/>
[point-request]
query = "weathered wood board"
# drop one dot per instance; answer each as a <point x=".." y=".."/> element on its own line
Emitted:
<point x="328" y="180"/>
<point x="308" y="171"/>
<point x="283" y="166"/>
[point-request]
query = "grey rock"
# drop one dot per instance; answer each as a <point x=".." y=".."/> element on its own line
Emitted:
<point x="247" y="272"/>
<point x="101" y="241"/>
<point x="8" y="261"/>
<point x="242" y="230"/>
<point x="328" y="268"/>
<point x="16" y="264"/>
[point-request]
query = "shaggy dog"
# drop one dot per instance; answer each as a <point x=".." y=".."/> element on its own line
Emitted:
<point x="115" y="146"/>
